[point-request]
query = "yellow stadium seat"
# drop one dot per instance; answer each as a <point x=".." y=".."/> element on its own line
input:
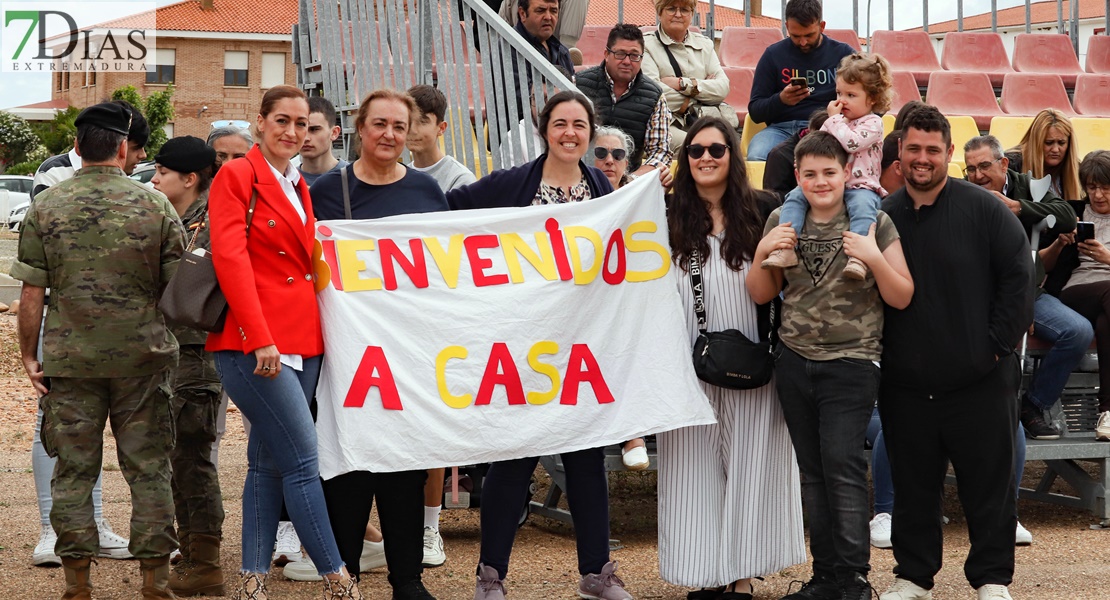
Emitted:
<point x="963" y="129"/>
<point x="1091" y="133"/>
<point x="956" y="169"/>
<point x="1010" y="130"/>
<point x="750" y="129"/>
<point x="888" y="124"/>
<point x="755" y="172"/>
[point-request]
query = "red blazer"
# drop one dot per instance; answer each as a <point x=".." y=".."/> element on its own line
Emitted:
<point x="268" y="277"/>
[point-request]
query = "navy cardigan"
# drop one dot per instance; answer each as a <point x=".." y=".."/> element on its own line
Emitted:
<point x="517" y="186"/>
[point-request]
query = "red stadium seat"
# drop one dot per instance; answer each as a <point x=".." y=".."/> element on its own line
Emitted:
<point x="739" y="88"/>
<point x="592" y="43"/>
<point x="1092" y="95"/>
<point x="1098" y="54"/>
<point x="905" y="90"/>
<point x="976" y="52"/>
<point x="1026" y="94"/>
<point x="848" y="36"/>
<point x="1046" y="53"/>
<point x="967" y="94"/>
<point x="907" y="51"/>
<point x="743" y="46"/>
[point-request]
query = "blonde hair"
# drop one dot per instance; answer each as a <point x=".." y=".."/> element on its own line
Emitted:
<point x="661" y="4"/>
<point x="1032" y="151"/>
<point x="873" y="73"/>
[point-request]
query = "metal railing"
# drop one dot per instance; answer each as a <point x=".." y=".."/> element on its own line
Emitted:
<point x="494" y="81"/>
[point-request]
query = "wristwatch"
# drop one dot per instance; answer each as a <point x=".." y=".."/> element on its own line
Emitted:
<point x="694" y="87"/>
<point x="682" y="85"/>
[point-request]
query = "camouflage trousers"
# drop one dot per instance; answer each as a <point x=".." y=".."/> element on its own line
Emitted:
<point x="138" y="409"/>
<point x="197" y="501"/>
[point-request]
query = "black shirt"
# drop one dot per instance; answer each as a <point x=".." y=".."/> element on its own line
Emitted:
<point x="416" y="192"/>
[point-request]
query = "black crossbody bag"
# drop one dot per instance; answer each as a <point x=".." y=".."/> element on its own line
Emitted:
<point x="728" y="358"/>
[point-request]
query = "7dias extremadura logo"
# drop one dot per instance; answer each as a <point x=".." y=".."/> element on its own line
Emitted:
<point x="45" y="37"/>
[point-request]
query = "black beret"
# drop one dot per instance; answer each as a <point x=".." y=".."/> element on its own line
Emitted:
<point x="106" y="115"/>
<point x="186" y="154"/>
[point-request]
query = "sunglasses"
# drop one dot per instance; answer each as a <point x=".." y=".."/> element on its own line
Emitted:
<point x="715" y="150"/>
<point x="601" y="153"/>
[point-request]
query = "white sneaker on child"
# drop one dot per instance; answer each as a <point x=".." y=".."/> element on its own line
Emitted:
<point x="880" y="530"/>
<point x="43" y="555"/>
<point x="1022" y="537"/>
<point x="287" y="548"/>
<point x="111" y="544"/>
<point x="434" y="555"/>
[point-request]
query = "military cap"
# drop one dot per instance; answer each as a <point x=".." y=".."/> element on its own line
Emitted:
<point x="186" y="154"/>
<point x="106" y="115"/>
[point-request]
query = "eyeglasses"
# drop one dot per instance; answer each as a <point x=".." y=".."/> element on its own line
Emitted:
<point x="678" y="10"/>
<point x="1091" y="189"/>
<point x="601" y="153"/>
<point x="715" y="150"/>
<point x="979" y="168"/>
<point x="621" y="55"/>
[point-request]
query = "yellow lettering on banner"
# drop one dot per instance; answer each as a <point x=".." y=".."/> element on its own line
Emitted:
<point x="634" y="245"/>
<point x="461" y="401"/>
<point x="575" y="233"/>
<point x="350" y="265"/>
<point x="543" y="262"/>
<point x="539" y="349"/>
<point x="447" y="261"/>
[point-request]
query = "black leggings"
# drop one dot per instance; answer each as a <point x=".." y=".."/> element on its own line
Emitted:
<point x="1092" y="300"/>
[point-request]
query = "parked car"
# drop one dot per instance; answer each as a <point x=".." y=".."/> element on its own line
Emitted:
<point x="19" y="198"/>
<point x="143" y="172"/>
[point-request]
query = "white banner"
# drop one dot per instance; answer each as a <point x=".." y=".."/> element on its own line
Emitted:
<point x="475" y="336"/>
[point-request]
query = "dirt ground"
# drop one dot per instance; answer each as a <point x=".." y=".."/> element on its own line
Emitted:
<point x="1067" y="560"/>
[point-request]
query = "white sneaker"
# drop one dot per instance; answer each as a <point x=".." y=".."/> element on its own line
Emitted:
<point x="44" y="556"/>
<point x="287" y="548"/>
<point x="904" y="589"/>
<point x="993" y="591"/>
<point x="111" y="545"/>
<point x="1102" y="429"/>
<point x="635" y="459"/>
<point x="373" y="557"/>
<point x="880" y="531"/>
<point x="1022" y="537"/>
<point x="434" y="556"/>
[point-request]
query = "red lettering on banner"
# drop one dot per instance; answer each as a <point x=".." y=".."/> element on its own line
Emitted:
<point x="416" y="269"/>
<point x="328" y="251"/>
<point x="373" y="361"/>
<point x="478" y="265"/>
<point x="500" y="370"/>
<point x="559" y="247"/>
<point x="616" y="241"/>
<point x="580" y="356"/>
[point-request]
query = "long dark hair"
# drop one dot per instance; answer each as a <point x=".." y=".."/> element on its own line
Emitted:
<point x="688" y="213"/>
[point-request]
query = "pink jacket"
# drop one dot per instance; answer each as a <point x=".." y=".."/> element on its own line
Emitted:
<point x="863" y="139"/>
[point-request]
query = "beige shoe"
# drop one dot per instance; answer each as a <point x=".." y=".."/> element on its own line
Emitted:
<point x="781" y="258"/>
<point x="344" y="588"/>
<point x="1102" y="429"/>
<point x="855" y="269"/>
<point x="993" y="591"/>
<point x="575" y="57"/>
<point x="78" y="586"/>
<point x="156" y="578"/>
<point x="201" y="574"/>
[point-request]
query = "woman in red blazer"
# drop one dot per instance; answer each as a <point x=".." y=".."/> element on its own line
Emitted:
<point x="269" y="352"/>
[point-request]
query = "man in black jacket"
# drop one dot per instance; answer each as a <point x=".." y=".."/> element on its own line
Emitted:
<point x="949" y="370"/>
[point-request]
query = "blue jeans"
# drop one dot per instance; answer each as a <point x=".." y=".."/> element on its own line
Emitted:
<point x="763" y="142"/>
<point x="281" y="460"/>
<point x="880" y="466"/>
<point x="1070" y="335"/>
<point x="862" y="207"/>
<point x="827" y="405"/>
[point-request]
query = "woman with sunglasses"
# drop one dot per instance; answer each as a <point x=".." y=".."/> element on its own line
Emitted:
<point x="728" y="493"/>
<point x="610" y="153"/>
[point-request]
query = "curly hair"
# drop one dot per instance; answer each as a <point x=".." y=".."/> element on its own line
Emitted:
<point x="873" y="73"/>
<point x="688" y="212"/>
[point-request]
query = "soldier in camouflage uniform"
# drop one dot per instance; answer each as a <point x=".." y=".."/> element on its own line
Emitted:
<point x="183" y="172"/>
<point x="106" y="246"/>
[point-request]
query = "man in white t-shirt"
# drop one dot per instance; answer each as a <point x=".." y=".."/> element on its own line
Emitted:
<point x="423" y="144"/>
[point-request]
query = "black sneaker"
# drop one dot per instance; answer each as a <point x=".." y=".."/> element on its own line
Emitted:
<point x="412" y="590"/>
<point x="818" y="588"/>
<point x="1032" y="419"/>
<point x="855" y="587"/>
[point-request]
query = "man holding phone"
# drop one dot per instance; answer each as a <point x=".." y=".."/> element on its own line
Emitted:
<point x="1068" y="332"/>
<point x="794" y="77"/>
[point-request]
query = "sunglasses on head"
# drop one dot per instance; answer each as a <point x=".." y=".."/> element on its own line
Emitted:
<point x="715" y="150"/>
<point x="601" y="153"/>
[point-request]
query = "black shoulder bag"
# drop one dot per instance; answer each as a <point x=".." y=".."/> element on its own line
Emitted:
<point x="728" y="358"/>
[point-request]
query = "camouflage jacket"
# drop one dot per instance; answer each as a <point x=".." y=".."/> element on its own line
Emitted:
<point x="195" y="221"/>
<point x="106" y="246"/>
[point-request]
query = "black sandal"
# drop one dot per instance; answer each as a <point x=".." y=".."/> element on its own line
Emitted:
<point x="705" y="594"/>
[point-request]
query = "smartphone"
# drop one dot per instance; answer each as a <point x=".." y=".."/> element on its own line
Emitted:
<point x="799" y="82"/>
<point x="1084" y="230"/>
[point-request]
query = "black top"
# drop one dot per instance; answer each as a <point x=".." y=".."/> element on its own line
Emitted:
<point x="973" y="289"/>
<point x="416" y="192"/>
<point x="778" y="172"/>
<point x="781" y="61"/>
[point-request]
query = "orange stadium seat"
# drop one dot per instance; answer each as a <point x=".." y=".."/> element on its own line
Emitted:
<point x="907" y="51"/>
<point x="1046" y="53"/>
<point x="1092" y="94"/>
<point x="975" y="52"/>
<point x="739" y="89"/>
<point x="743" y="46"/>
<point x="1098" y="54"/>
<point x="967" y="94"/>
<point x="1026" y="94"/>
<point x="592" y="43"/>
<point x="905" y="90"/>
<point x="848" y="36"/>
